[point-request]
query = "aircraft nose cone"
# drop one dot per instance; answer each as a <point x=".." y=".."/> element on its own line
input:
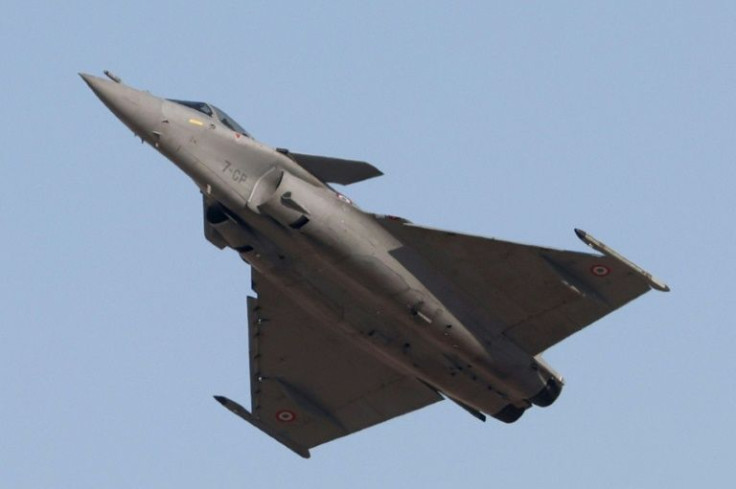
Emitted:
<point x="138" y="110"/>
<point x="90" y="80"/>
<point x="104" y="89"/>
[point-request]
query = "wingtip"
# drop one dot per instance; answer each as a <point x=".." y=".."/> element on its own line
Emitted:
<point x="221" y="399"/>
<point x="597" y="245"/>
<point x="582" y="235"/>
<point x="241" y="412"/>
<point x="659" y="285"/>
<point x="229" y="404"/>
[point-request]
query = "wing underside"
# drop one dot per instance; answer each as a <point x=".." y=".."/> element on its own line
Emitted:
<point x="537" y="296"/>
<point x="310" y="385"/>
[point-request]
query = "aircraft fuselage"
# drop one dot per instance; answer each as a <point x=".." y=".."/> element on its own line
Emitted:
<point x="337" y="261"/>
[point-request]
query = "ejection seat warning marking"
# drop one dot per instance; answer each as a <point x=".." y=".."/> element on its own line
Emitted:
<point x="600" y="270"/>
<point x="236" y="174"/>
<point x="285" y="416"/>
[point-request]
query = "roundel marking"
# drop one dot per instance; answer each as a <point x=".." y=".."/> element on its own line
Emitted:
<point x="285" y="416"/>
<point x="600" y="270"/>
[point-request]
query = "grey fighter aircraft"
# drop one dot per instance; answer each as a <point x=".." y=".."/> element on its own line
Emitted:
<point x="360" y="318"/>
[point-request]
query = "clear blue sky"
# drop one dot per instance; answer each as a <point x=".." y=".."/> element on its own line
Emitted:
<point x="118" y="321"/>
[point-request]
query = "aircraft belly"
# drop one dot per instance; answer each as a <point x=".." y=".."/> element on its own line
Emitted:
<point x="368" y="325"/>
<point x="344" y="257"/>
<point x="363" y="295"/>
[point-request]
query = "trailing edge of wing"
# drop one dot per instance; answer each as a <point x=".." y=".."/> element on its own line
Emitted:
<point x="336" y="170"/>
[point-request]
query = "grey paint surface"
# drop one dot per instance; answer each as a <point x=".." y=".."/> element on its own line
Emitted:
<point x="360" y="318"/>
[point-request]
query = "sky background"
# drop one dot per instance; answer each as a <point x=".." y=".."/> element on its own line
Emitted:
<point x="517" y="120"/>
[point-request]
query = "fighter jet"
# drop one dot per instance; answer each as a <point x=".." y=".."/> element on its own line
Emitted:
<point x="359" y="317"/>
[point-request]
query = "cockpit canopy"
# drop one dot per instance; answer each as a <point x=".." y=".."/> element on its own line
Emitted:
<point x="215" y="113"/>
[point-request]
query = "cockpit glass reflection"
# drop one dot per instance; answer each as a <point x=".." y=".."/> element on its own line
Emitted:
<point x="214" y="112"/>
